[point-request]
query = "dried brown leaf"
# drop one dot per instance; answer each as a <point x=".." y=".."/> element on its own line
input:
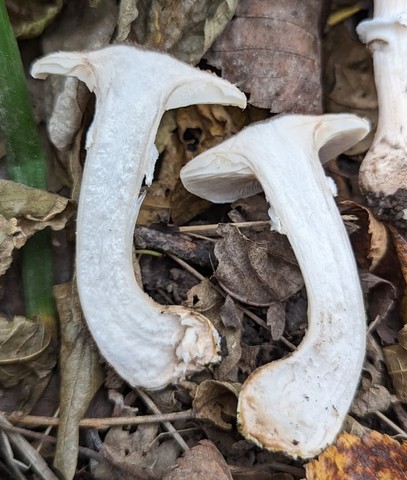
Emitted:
<point x="370" y="240"/>
<point x="203" y="461"/>
<point x="395" y="357"/>
<point x="24" y="211"/>
<point x="271" y="50"/>
<point x="136" y="456"/>
<point x="183" y="28"/>
<point x="81" y="377"/>
<point x="217" y="401"/>
<point x="256" y="274"/>
<point x="375" y="456"/>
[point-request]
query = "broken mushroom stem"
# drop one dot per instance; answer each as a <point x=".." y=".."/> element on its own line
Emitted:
<point x="383" y="173"/>
<point x="148" y="344"/>
<point x="296" y="405"/>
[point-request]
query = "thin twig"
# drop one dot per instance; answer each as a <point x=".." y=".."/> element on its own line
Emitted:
<point x="36" y="421"/>
<point x="211" y="229"/>
<point x="391" y="424"/>
<point x="166" y="424"/>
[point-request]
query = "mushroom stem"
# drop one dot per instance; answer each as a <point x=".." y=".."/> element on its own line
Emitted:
<point x="148" y="344"/>
<point x="297" y="404"/>
<point x="383" y="173"/>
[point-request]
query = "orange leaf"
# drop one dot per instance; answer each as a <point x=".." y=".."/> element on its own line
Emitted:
<point x="373" y="457"/>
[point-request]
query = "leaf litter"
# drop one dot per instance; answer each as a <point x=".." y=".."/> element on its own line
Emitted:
<point x="245" y="280"/>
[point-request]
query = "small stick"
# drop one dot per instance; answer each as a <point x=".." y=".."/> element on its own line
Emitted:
<point x="210" y="230"/>
<point x="36" y="421"/>
<point x="391" y="424"/>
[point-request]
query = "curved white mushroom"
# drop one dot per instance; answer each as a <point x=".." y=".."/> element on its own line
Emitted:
<point x="297" y="404"/>
<point x="148" y="344"/>
<point x="383" y="173"/>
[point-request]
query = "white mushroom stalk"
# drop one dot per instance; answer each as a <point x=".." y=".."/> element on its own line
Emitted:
<point x="297" y="405"/>
<point x="383" y="173"/>
<point x="148" y="344"/>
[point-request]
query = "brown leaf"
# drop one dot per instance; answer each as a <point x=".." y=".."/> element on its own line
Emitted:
<point x="81" y="377"/>
<point x="395" y="357"/>
<point x="183" y="28"/>
<point x="24" y="211"/>
<point x="203" y="461"/>
<point x="26" y="352"/>
<point x="276" y="320"/>
<point x="216" y="401"/>
<point x="400" y="242"/>
<point x="271" y="50"/>
<point x="372" y="457"/>
<point x="136" y="456"/>
<point x="256" y="274"/>
<point x="370" y="241"/>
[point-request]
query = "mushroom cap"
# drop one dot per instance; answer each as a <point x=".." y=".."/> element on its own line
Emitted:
<point x="225" y="173"/>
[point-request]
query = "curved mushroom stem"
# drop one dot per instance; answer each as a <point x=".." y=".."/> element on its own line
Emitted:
<point x="383" y="173"/>
<point x="148" y="344"/>
<point x="297" y="404"/>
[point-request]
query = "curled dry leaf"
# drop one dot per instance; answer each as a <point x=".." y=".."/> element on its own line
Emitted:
<point x="26" y="352"/>
<point x="24" y="211"/>
<point x="372" y="457"/>
<point x="183" y="28"/>
<point x="217" y="402"/>
<point x="254" y="273"/>
<point x="400" y="243"/>
<point x="395" y="357"/>
<point x="271" y="50"/>
<point x="370" y="241"/>
<point x="203" y="461"/>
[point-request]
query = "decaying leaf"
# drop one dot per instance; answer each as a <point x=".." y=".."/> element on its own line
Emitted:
<point x="203" y="461"/>
<point x="372" y="457"/>
<point x="29" y="19"/>
<point x="400" y="243"/>
<point x="256" y="273"/>
<point x="81" y="377"/>
<point x="271" y="51"/>
<point x="217" y="401"/>
<point x="27" y="359"/>
<point x="183" y="28"/>
<point x="349" y="81"/>
<point x="136" y="456"/>
<point x="24" y="211"/>
<point x="370" y="240"/>
<point x="395" y="357"/>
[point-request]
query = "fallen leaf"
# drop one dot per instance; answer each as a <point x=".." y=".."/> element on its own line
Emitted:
<point x="183" y="28"/>
<point x="276" y="320"/>
<point x="203" y="461"/>
<point x="271" y="50"/>
<point x="372" y="457"/>
<point x="395" y="357"/>
<point x="256" y="273"/>
<point x="81" y="377"/>
<point x="400" y="243"/>
<point x="136" y="455"/>
<point x="24" y="211"/>
<point x="217" y="402"/>
<point x="370" y="240"/>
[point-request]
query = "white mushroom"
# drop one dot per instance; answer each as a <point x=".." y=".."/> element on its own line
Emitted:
<point x="383" y="173"/>
<point x="148" y="344"/>
<point x="296" y="405"/>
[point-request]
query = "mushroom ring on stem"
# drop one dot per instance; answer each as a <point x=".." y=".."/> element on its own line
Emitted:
<point x="148" y="344"/>
<point x="383" y="173"/>
<point x="297" y="405"/>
